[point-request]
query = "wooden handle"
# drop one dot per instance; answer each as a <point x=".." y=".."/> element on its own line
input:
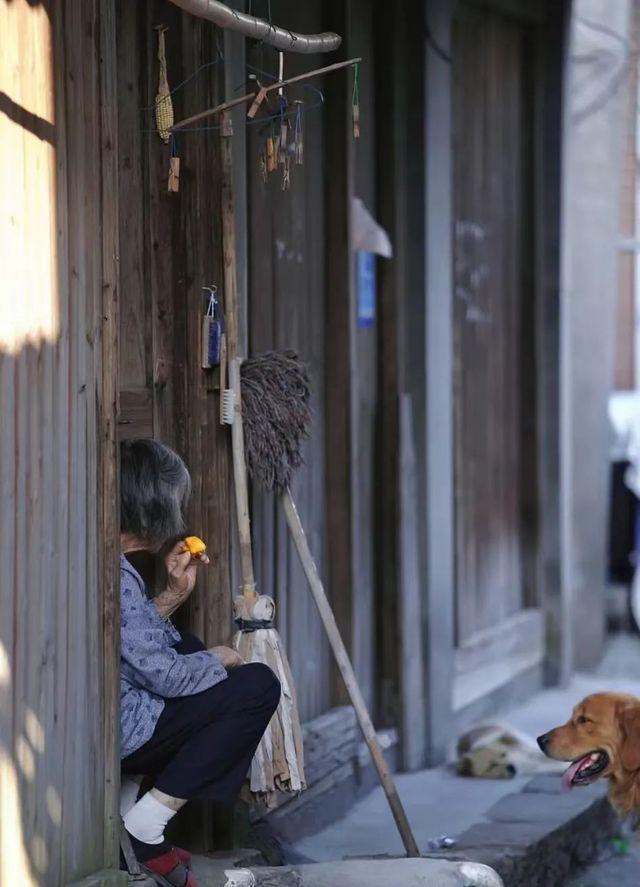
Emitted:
<point x="231" y="317"/>
<point x="348" y="674"/>
<point x="240" y="484"/>
<point x="229" y="239"/>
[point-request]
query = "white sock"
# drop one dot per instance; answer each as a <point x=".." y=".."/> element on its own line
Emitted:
<point x="129" y="788"/>
<point x="148" y="819"/>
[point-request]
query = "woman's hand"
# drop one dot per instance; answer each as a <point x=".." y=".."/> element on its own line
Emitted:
<point x="228" y="657"/>
<point x="181" y="579"/>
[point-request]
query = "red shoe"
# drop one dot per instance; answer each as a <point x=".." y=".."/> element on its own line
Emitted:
<point x="183" y="855"/>
<point x="169" y="870"/>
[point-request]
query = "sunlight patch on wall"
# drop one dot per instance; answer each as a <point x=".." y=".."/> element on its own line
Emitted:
<point x="29" y="309"/>
<point x="14" y="862"/>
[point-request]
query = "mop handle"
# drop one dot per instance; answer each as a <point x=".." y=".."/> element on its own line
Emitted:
<point x="348" y="674"/>
<point x="240" y="485"/>
<point x="231" y="316"/>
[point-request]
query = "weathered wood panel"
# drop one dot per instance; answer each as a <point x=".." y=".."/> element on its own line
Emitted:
<point x="170" y="248"/>
<point x="286" y="310"/>
<point x="57" y="457"/>
<point x="494" y="398"/>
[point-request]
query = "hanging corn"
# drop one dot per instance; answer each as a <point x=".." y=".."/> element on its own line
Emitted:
<point x="298" y="139"/>
<point x="164" y="105"/>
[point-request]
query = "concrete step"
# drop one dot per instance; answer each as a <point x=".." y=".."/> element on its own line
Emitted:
<point x="352" y="873"/>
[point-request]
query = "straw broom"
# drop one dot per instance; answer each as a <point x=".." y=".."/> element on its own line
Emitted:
<point x="278" y="762"/>
<point x="277" y="418"/>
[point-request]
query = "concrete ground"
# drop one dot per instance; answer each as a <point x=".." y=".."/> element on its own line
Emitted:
<point x="440" y="803"/>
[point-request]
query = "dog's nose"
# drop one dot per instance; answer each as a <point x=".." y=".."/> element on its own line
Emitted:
<point x="543" y="742"/>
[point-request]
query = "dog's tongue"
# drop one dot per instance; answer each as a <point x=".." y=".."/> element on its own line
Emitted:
<point x="571" y="772"/>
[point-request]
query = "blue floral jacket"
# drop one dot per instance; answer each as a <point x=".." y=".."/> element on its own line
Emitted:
<point x="151" y="670"/>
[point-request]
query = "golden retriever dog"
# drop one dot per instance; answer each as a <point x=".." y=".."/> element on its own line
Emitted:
<point x="601" y="740"/>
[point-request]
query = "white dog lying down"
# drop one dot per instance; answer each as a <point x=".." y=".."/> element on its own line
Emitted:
<point x="495" y="751"/>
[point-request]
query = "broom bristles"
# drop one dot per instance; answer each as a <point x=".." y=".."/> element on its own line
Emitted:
<point x="276" y="412"/>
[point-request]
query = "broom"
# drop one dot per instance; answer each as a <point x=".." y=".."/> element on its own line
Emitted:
<point x="277" y="417"/>
<point x="278" y="762"/>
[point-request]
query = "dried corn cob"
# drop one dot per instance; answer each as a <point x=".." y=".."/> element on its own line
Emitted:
<point x="164" y="104"/>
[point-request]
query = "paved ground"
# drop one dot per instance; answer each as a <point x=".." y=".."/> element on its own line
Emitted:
<point x="439" y="803"/>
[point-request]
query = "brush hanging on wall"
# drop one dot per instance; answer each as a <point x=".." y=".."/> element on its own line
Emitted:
<point x="212" y="331"/>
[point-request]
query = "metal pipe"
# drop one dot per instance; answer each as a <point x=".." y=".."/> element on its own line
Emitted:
<point x="259" y="29"/>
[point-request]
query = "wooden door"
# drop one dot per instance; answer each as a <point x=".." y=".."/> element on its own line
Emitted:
<point x="494" y="336"/>
<point x="170" y="247"/>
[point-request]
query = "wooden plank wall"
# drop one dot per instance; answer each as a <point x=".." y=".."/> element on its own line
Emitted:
<point x="493" y="313"/>
<point x="57" y="449"/>
<point x="286" y="310"/>
<point x="170" y="248"/>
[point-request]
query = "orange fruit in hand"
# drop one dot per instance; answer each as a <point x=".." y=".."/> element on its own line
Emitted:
<point x="194" y="546"/>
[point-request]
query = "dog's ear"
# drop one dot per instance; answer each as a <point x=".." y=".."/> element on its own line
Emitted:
<point x="630" y="751"/>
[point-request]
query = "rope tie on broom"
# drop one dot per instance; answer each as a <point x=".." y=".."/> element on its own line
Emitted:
<point x="249" y="625"/>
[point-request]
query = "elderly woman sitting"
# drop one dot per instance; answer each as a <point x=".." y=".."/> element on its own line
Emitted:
<point x="191" y="718"/>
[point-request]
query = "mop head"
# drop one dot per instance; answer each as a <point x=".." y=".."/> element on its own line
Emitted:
<point x="276" y="414"/>
<point x="277" y="765"/>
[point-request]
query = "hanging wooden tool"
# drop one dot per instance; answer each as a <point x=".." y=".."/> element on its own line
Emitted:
<point x="173" y="183"/>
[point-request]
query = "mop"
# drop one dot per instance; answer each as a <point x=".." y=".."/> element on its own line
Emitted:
<point x="276" y="417"/>
<point x="278" y="763"/>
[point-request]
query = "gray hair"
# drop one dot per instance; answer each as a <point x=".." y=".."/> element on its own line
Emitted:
<point x="154" y="490"/>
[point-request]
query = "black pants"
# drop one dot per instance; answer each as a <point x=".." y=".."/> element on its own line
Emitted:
<point x="203" y="745"/>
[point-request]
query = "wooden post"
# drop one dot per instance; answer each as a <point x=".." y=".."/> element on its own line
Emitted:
<point x="438" y="617"/>
<point x="109" y="526"/>
<point x="340" y="309"/>
<point x="550" y="53"/>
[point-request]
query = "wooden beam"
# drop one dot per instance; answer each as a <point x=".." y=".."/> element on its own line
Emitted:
<point x="438" y="615"/>
<point x="549" y="56"/>
<point x="340" y="308"/>
<point x="109" y="524"/>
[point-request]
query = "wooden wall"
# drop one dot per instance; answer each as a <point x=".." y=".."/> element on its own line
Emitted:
<point x="58" y="605"/>
<point x="170" y="248"/>
<point x="302" y="295"/>
<point x="494" y="329"/>
<point x="286" y="309"/>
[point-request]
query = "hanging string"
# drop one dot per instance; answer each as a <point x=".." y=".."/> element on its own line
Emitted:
<point x="284" y="126"/>
<point x="210" y="64"/>
<point x="355" y="102"/>
<point x="298" y="139"/>
<point x="271" y="118"/>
